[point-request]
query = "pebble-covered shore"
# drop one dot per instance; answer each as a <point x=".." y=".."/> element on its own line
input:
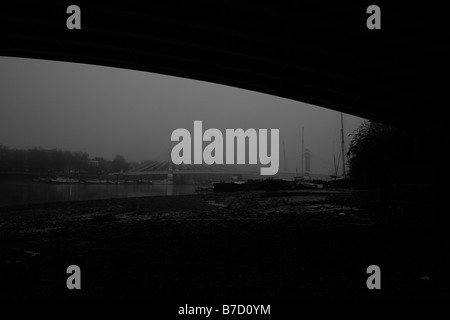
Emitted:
<point x="255" y="245"/>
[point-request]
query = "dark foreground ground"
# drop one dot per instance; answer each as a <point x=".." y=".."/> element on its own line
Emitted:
<point x="218" y="246"/>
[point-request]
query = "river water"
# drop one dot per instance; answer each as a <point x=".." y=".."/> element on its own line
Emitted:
<point x="24" y="192"/>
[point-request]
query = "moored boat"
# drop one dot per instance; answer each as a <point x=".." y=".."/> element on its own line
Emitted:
<point x="204" y="189"/>
<point x="64" y="180"/>
<point x="162" y="182"/>
<point x="96" y="181"/>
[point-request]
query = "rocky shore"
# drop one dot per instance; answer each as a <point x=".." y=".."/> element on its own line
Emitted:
<point x="244" y="245"/>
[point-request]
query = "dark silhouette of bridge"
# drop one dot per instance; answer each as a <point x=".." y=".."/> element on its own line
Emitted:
<point x="164" y="167"/>
<point x="154" y="167"/>
<point x="318" y="52"/>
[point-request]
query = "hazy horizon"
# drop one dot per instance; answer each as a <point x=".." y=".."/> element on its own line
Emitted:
<point x="106" y="111"/>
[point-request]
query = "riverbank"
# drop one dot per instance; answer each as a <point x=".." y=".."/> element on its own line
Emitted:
<point x="26" y="192"/>
<point x="253" y="245"/>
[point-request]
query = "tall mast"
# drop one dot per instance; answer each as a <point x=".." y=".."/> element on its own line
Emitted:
<point x="336" y="166"/>
<point x="342" y="145"/>
<point x="303" y="148"/>
<point x="284" y="158"/>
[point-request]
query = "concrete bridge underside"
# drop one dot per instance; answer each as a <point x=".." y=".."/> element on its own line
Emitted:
<point x="317" y="52"/>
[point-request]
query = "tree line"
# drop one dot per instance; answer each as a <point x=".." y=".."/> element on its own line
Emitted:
<point x="377" y="147"/>
<point x="40" y="160"/>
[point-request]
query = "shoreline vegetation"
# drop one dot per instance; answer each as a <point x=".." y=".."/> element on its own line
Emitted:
<point x="57" y="161"/>
<point x="314" y="244"/>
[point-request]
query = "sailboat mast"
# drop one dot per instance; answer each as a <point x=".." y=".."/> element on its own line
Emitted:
<point x="303" y="148"/>
<point x="336" y="167"/>
<point x="342" y="145"/>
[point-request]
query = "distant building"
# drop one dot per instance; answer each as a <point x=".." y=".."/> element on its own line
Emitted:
<point x="93" y="163"/>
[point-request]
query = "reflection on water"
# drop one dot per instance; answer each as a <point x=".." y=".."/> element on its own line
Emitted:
<point x="23" y="192"/>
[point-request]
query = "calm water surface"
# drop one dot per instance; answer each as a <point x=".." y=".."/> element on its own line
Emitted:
<point x="24" y="192"/>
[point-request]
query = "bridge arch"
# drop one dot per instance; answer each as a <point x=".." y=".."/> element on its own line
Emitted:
<point x="315" y="52"/>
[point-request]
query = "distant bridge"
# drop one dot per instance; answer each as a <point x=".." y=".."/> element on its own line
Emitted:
<point x="166" y="167"/>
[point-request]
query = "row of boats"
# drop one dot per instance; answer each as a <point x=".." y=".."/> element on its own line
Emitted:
<point x="280" y="184"/>
<point x="268" y="184"/>
<point x="66" y="180"/>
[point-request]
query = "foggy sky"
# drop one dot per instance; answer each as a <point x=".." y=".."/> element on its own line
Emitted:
<point x="108" y="111"/>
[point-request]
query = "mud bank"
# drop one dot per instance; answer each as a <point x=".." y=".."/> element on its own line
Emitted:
<point x="255" y="245"/>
